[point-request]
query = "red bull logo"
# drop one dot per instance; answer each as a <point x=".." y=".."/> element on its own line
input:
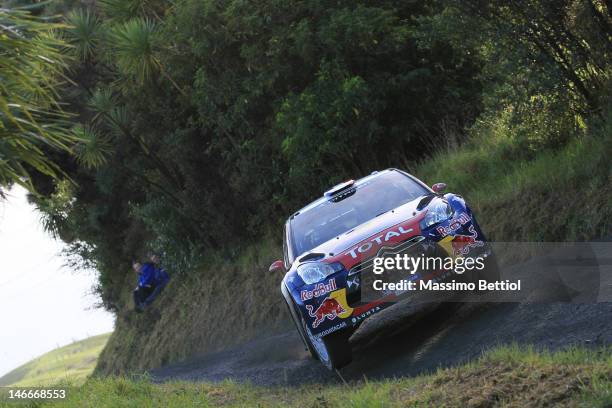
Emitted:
<point x="319" y="290"/>
<point x="330" y="308"/>
<point x="463" y="243"/>
<point x="454" y="225"/>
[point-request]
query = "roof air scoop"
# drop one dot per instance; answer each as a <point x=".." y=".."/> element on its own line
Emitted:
<point x="341" y="191"/>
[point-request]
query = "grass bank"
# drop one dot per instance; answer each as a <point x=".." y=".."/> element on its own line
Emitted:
<point x="73" y="362"/>
<point x="550" y="195"/>
<point x="508" y="377"/>
<point x="228" y="302"/>
<point x="558" y="194"/>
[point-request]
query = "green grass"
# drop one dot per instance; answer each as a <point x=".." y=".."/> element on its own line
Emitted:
<point x="506" y="376"/>
<point x="73" y="362"/>
<point x="550" y="195"/>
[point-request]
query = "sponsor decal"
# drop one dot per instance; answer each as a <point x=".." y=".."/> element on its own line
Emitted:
<point x="365" y="314"/>
<point x="332" y="329"/>
<point x="454" y="225"/>
<point x="329" y="308"/>
<point x="353" y="282"/>
<point x="463" y="243"/>
<point x="319" y="290"/>
<point x="379" y="240"/>
<point x="333" y="306"/>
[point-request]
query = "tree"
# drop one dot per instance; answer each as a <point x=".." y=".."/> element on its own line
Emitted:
<point x="31" y="118"/>
<point x="569" y="39"/>
<point x="83" y="33"/>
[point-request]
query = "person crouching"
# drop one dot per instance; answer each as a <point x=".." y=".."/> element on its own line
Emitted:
<point x="152" y="278"/>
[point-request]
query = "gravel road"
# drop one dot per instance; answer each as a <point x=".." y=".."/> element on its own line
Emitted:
<point x="409" y="339"/>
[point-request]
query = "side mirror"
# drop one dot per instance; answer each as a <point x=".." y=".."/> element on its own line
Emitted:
<point x="277" y="267"/>
<point x="438" y="188"/>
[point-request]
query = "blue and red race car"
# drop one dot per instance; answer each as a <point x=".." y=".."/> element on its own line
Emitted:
<point x="330" y="248"/>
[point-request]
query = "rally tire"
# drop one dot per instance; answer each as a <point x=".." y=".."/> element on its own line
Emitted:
<point x="333" y="350"/>
<point x="339" y="349"/>
<point x="300" y="326"/>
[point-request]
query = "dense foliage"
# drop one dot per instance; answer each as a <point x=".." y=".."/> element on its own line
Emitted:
<point x="31" y="118"/>
<point x="204" y="122"/>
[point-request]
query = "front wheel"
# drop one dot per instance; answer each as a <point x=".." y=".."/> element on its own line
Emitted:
<point x="333" y="350"/>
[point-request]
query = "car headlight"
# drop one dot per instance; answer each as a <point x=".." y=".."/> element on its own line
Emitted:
<point x="438" y="211"/>
<point x="313" y="272"/>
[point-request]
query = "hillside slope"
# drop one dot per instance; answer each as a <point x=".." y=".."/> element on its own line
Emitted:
<point x="74" y="362"/>
<point x="557" y="195"/>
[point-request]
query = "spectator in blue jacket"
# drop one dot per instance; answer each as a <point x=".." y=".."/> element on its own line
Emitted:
<point x="152" y="278"/>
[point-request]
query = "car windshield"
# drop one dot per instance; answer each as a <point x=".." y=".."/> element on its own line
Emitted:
<point x="371" y="198"/>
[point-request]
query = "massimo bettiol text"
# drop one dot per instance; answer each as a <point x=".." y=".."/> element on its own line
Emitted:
<point x="419" y="267"/>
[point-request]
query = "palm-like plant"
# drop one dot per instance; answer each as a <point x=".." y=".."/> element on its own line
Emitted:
<point x="93" y="148"/>
<point x="83" y="33"/>
<point x="31" y="120"/>
<point x="132" y="50"/>
<point x="101" y="103"/>
<point x="124" y="10"/>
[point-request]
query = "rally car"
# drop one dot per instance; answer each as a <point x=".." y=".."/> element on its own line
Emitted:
<point x="329" y="248"/>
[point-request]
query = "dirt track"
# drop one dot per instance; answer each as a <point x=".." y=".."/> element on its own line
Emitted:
<point x="410" y="339"/>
